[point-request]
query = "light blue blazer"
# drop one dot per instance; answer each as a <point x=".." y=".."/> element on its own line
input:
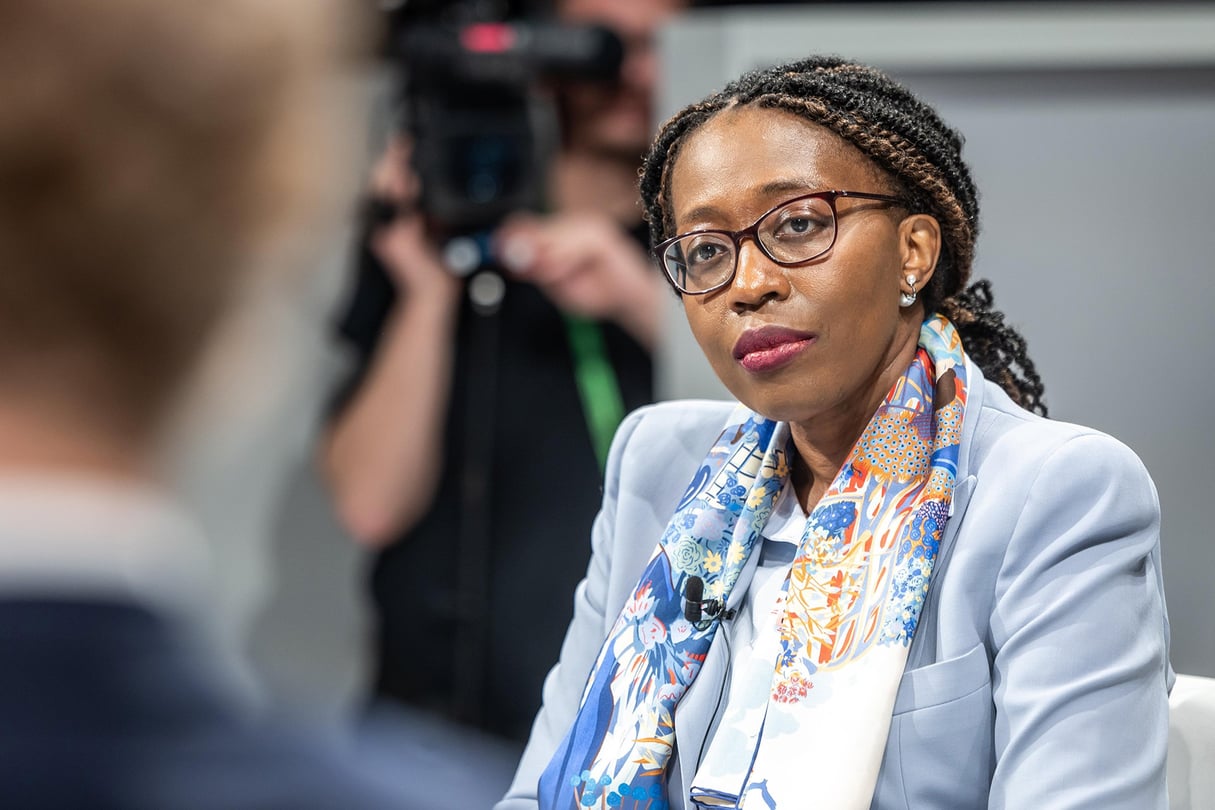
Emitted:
<point x="1039" y="675"/>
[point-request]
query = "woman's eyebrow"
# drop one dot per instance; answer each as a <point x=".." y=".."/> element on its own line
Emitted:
<point x="771" y="188"/>
<point x="701" y="213"/>
<point x="792" y="185"/>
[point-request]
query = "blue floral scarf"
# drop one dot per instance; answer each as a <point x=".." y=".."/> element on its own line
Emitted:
<point x="851" y="602"/>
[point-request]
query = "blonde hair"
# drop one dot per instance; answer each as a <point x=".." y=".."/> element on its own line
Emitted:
<point x="146" y="148"/>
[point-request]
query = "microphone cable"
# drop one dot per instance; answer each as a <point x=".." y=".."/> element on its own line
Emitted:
<point x="720" y="694"/>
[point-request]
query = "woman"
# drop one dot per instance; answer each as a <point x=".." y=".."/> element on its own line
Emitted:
<point x="916" y="592"/>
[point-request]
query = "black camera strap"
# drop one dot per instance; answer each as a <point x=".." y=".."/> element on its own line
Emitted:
<point x="603" y="409"/>
<point x="474" y="537"/>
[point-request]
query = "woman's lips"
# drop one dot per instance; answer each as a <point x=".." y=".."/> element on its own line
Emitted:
<point x="769" y="347"/>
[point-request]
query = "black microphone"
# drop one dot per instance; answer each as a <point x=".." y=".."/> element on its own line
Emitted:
<point x="695" y="608"/>
<point x="693" y="592"/>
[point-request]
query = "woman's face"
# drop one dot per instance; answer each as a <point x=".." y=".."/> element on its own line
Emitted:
<point x="802" y="343"/>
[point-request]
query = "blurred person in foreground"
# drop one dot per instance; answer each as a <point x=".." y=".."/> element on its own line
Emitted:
<point x="881" y="578"/>
<point x="468" y="447"/>
<point x="154" y="159"/>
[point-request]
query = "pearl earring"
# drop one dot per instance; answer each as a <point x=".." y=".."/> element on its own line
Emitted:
<point x="908" y="298"/>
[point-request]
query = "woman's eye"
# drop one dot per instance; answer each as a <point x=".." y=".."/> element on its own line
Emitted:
<point x="799" y="226"/>
<point x="704" y="253"/>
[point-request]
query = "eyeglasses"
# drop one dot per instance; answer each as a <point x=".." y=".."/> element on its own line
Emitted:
<point x="793" y="233"/>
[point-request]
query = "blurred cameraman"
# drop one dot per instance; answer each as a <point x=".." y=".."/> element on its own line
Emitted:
<point x="467" y="448"/>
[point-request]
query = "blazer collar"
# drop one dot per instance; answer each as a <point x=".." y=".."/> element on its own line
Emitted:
<point x="975" y="390"/>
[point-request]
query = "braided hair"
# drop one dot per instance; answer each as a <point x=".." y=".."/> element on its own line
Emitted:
<point x="922" y="155"/>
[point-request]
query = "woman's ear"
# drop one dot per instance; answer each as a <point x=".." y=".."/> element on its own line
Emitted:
<point x="920" y="243"/>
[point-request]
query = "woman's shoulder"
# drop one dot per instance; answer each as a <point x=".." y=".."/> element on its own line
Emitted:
<point x="666" y="439"/>
<point x="1012" y="442"/>
<point x="656" y="426"/>
<point x="675" y="419"/>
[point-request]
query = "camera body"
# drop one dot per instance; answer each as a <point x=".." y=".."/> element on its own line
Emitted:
<point x="483" y="128"/>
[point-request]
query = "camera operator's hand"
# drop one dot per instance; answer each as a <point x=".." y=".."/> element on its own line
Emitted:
<point x="586" y="265"/>
<point x="402" y="245"/>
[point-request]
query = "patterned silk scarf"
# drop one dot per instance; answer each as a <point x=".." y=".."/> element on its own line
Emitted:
<point x="851" y="600"/>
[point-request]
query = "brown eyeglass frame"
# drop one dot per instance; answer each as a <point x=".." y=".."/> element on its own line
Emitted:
<point x="752" y="231"/>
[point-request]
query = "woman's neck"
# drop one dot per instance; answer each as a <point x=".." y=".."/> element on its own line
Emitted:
<point x="38" y="435"/>
<point x="820" y="452"/>
<point x="822" y="444"/>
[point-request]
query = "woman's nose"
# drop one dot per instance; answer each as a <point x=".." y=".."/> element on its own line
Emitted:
<point x="756" y="278"/>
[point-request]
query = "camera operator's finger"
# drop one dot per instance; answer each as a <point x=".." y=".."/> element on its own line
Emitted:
<point x="544" y="250"/>
<point x="517" y="243"/>
<point x="393" y="180"/>
<point x="412" y="261"/>
<point x="586" y="265"/>
<point x="561" y="245"/>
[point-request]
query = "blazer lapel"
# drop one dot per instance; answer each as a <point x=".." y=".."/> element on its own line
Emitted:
<point x="694" y="715"/>
<point x="923" y="648"/>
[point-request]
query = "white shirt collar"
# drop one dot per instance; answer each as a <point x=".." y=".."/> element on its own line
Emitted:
<point x="787" y="523"/>
<point x="97" y="538"/>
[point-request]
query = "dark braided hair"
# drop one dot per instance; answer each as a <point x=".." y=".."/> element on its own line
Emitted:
<point x="906" y="139"/>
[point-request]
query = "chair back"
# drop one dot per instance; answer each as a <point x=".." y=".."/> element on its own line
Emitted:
<point x="1191" y="765"/>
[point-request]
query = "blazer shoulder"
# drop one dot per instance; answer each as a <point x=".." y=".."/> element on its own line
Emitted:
<point x="1004" y="424"/>
<point x="1008" y="435"/>
<point x="670" y="427"/>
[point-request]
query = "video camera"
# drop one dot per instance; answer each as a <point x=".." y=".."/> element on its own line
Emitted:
<point x="483" y="131"/>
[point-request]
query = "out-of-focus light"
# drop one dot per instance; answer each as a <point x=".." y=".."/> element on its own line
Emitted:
<point x="488" y="38"/>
